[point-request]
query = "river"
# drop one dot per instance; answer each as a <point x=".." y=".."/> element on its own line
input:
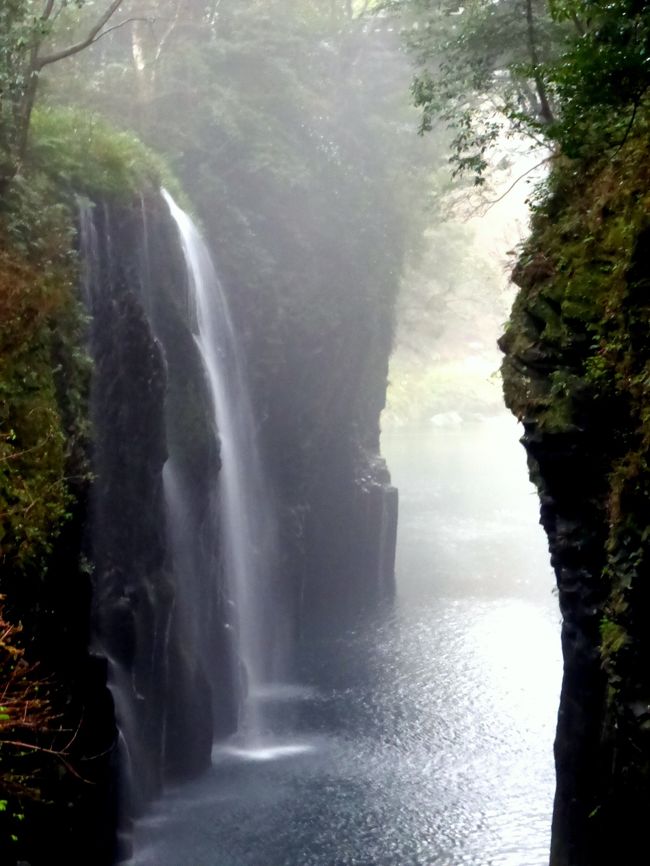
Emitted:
<point x="422" y="737"/>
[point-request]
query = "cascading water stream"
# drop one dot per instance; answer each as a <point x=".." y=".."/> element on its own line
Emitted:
<point x="248" y="527"/>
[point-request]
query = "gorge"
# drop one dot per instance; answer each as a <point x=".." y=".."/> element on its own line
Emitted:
<point x="207" y="653"/>
<point x="190" y="609"/>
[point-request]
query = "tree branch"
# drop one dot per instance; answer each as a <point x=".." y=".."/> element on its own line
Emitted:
<point x="579" y="26"/>
<point x="168" y="32"/>
<point x="92" y="36"/>
<point x="492" y="202"/>
<point x="121" y="24"/>
<point x="16" y="454"/>
<point x="628" y="130"/>
<point x="47" y="11"/>
<point x="19" y="744"/>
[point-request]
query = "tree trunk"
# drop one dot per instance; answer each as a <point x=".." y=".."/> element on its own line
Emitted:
<point x="545" y="110"/>
<point x="24" y="116"/>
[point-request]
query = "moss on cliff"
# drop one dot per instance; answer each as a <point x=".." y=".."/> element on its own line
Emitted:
<point x="43" y="426"/>
<point x="44" y="481"/>
<point x="577" y="372"/>
<point x="44" y="369"/>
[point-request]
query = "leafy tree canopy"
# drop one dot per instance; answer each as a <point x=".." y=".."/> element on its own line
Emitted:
<point x="602" y="76"/>
<point x="35" y="34"/>
<point x="571" y="73"/>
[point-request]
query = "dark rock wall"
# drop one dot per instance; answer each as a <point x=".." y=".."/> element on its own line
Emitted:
<point x="310" y="204"/>
<point x="118" y="576"/>
<point x="158" y="613"/>
<point x="149" y="404"/>
<point x="321" y="435"/>
<point x="62" y="802"/>
<point x="132" y="591"/>
<point x="576" y="373"/>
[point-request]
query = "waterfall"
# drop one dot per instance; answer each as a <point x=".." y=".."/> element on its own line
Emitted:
<point x="182" y="535"/>
<point x="245" y="511"/>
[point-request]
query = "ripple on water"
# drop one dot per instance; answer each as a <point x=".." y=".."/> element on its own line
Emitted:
<point x="393" y="769"/>
<point x="424" y="739"/>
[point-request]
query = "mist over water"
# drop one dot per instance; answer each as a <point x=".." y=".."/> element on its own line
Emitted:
<point x="423" y="736"/>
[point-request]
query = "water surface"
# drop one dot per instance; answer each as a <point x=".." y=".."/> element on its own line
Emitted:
<point x="422" y="737"/>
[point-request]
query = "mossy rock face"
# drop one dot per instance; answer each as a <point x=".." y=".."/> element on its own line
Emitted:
<point x="46" y="569"/>
<point x="576" y="372"/>
<point x="151" y="411"/>
<point x="44" y="366"/>
<point x="44" y="576"/>
<point x="40" y="323"/>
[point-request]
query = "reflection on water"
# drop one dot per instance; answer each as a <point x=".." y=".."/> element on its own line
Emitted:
<point x="423" y="738"/>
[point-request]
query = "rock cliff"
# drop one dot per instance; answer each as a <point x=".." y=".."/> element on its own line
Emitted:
<point x="577" y="374"/>
<point x="117" y="618"/>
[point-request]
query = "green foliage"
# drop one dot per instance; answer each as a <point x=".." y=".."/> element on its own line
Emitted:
<point x="613" y="637"/>
<point x="574" y="272"/>
<point x="80" y="152"/>
<point x="18" y="28"/>
<point x="480" y="70"/>
<point x="21" y="29"/>
<point x="36" y="300"/>
<point x="602" y="76"/>
<point x="30" y="34"/>
<point x="572" y="73"/>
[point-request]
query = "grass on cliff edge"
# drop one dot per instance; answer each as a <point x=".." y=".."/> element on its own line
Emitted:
<point x="43" y="366"/>
<point x="83" y="154"/>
